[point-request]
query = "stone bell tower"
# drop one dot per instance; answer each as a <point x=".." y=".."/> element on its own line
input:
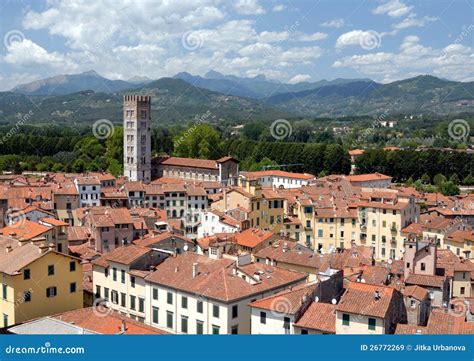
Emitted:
<point x="137" y="137"/>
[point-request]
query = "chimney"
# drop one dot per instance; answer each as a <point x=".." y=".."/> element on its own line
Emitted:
<point x="377" y="295"/>
<point x="123" y="327"/>
<point x="195" y="269"/>
<point x="8" y="249"/>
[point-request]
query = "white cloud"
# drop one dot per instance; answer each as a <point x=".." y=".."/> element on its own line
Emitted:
<point x="413" y="21"/>
<point x="334" y="23"/>
<point x="393" y="8"/>
<point x="366" y="39"/>
<point x="28" y="53"/>
<point x="248" y="7"/>
<point x="299" y="78"/>
<point x="272" y="36"/>
<point x="312" y="37"/>
<point x="454" y="61"/>
<point x="278" y="8"/>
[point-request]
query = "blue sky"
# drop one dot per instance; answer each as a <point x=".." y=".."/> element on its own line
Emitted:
<point x="290" y="41"/>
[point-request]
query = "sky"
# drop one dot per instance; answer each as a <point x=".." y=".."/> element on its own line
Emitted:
<point x="288" y="41"/>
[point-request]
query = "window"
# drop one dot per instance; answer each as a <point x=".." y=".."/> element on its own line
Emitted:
<point x="346" y="319"/>
<point x="115" y="297"/>
<point x="184" y="302"/>
<point x="462" y="290"/>
<point x="72" y="266"/>
<point x="97" y="291"/>
<point x="132" y="302"/>
<point x="263" y="318"/>
<point x="286" y="323"/>
<point x="106" y="272"/>
<point x="234" y="330"/>
<point x="122" y="278"/>
<point x="184" y="324"/>
<point x="155" y="293"/>
<point x="27" y="296"/>
<point x="141" y="304"/>
<point x="215" y="329"/>
<point x="155" y="312"/>
<point x="372" y="323"/>
<point x="51" y="291"/>
<point x="5" y="320"/>
<point x="199" y="306"/>
<point x="423" y="266"/>
<point x="26" y="274"/>
<point x="51" y="270"/>
<point x="169" y="298"/>
<point x="199" y="327"/>
<point x="114" y="274"/>
<point x="72" y="287"/>
<point x="106" y="293"/>
<point x="413" y="303"/>
<point x="215" y="311"/>
<point x="235" y="311"/>
<point x="304" y="332"/>
<point x="132" y="281"/>
<point x="169" y="319"/>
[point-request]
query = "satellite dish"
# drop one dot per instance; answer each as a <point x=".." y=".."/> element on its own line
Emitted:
<point x="316" y="299"/>
<point x="390" y="261"/>
<point x="362" y="280"/>
<point x="185" y="248"/>
<point x="334" y="301"/>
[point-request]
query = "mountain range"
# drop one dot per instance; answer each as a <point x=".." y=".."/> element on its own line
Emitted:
<point x="88" y="96"/>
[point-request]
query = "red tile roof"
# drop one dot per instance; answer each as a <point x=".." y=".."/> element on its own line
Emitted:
<point x="320" y="317"/>
<point x="106" y="322"/>
<point x="360" y="299"/>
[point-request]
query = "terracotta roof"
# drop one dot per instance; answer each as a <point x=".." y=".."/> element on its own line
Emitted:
<point x="78" y="233"/>
<point x="425" y="280"/>
<point x="440" y="322"/>
<point x="123" y="255"/>
<point x="190" y="162"/>
<point x="356" y="152"/>
<point x="277" y="173"/>
<point x="289" y="252"/>
<point x="252" y="237"/>
<point x="375" y="275"/>
<point x="18" y="257"/>
<point x="216" y="278"/>
<point x="416" y="292"/>
<point x="25" y="230"/>
<point x="150" y="241"/>
<point x="287" y="302"/>
<point x="54" y="222"/>
<point x="360" y="299"/>
<point x="368" y="177"/>
<point x="106" y="322"/>
<point x="319" y="316"/>
<point x="88" y="180"/>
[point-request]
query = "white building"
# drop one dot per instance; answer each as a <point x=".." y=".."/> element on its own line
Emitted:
<point x="213" y="221"/>
<point x="89" y="191"/>
<point x="278" y="178"/>
<point x="195" y="294"/>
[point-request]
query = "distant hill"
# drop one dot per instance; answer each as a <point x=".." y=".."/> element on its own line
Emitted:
<point x="421" y="94"/>
<point x="173" y="100"/>
<point x="73" y="83"/>
<point x="256" y="87"/>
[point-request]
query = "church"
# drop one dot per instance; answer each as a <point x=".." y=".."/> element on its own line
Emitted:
<point x="137" y="161"/>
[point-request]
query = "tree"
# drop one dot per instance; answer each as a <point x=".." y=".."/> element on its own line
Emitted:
<point x="439" y="179"/>
<point x="449" y="189"/>
<point x="201" y="141"/>
<point x="425" y="179"/>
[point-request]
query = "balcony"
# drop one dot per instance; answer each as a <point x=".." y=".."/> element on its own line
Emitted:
<point x="393" y="228"/>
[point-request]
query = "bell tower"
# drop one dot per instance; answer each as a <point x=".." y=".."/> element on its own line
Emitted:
<point x="137" y="137"/>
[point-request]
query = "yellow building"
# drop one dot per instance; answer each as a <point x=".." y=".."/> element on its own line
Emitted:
<point x="264" y="208"/>
<point x="37" y="281"/>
